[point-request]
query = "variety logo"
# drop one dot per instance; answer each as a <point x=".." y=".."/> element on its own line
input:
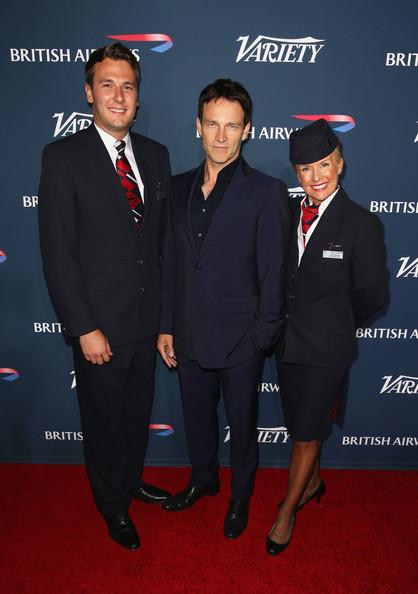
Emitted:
<point x="349" y="125"/>
<point x="3" y="257"/>
<point x="75" y="122"/>
<point x="416" y="137"/>
<point x="402" y="384"/>
<point x="400" y="59"/>
<point x="153" y="37"/>
<point x="265" y="434"/>
<point x="387" y="333"/>
<point x="408" y="267"/>
<point x="394" y="207"/>
<point x="278" y="49"/>
<point x="161" y="429"/>
<point x="9" y="375"/>
<point x="73" y="381"/>
<point x="377" y="440"/>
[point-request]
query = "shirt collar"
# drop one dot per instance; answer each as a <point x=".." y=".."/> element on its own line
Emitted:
<point x="325" y="203"/>
<point x="109" y="140"/>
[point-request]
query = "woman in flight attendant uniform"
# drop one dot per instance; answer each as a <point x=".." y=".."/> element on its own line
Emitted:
<point x="336" y="280"/>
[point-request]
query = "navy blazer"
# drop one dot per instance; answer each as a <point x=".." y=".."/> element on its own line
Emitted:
<point x="327" y="297"/>
<point x="102" y="272"/>
<point x="223" y="303"/>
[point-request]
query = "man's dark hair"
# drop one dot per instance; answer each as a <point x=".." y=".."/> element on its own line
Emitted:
<point x="225" y="88"/>
<point x="114" y="51"/>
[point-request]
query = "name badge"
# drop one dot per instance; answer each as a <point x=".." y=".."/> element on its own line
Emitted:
<point x="336" y="255"/>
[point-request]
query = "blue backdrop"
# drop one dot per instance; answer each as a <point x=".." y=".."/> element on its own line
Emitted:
<point x="354" y="63"/>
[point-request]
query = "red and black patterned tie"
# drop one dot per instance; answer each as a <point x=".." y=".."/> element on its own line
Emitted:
<point x="309" y="215"/>
<point x="129" y="183"/>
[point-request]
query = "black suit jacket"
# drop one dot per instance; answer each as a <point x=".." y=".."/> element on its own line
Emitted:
<point x="328" y="298"/>
<point x="102" y="272"/>
<point x="222" y="304"/>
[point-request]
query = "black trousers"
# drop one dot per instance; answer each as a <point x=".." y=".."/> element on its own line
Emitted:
<point x="115" y="402"/>
<point x="200" y="392"/>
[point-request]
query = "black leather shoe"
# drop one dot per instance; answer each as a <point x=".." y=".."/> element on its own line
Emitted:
<point x="317" y="494"/>
<point x="236" y="518"/>
<point x="188" y="497"/>
<point x="150" y="494"/>
<point x="273" y="547"/>
<point x="122" y="530"/>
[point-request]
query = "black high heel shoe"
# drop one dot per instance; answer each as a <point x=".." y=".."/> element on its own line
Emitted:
<point x="317" y="494"/>
<point x="274" y="548"/>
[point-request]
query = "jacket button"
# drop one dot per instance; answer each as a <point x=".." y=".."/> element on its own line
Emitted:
<point x="198" y="267"/>
<point x="140" y="234"/>
<point x="287" y="316"/>
<point x="291" y="297"/>
<point x="141" y="290"/>
<point x="140" y="261"/>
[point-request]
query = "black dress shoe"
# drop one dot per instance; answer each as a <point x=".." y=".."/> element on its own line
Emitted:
<point x="150" y="494"/>
<point x="317" y="494"/>
<point x="273" y="547"/>
<point x="188" y="497"/>
<point x="122" y="530"/>
<point x="236" y="518"/>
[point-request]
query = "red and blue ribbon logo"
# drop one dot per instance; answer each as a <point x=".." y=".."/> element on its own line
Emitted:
<point x="3" y="257"/>
<point x="161" y="429"/>
<point x="332" y="118"/>
<point x="9" y="375"/>
<point x="168" y="42"/>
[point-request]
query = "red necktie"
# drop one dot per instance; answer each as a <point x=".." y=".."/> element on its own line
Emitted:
<point x="129" y="183"/>
<point x="309" y="215"/>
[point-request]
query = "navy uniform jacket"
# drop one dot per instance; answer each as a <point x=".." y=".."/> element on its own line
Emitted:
<point x="327" y="298"/>
<point x="102" y="272"/>
<point x="224" y="303"/>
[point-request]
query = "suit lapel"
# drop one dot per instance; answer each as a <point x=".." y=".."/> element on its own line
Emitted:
<point x="144" y="166"/>
<point x="323" y="231"/>
<point x="186" y="207"/>
<point x="99" y="161"/>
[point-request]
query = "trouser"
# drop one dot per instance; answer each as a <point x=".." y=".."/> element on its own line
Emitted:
<point x="200" y="390"/>
<point x="115" y="402"/>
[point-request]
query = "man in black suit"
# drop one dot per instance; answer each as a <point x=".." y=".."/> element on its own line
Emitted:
<point x="102" y="204"/>
<point x="222" y="295"/>
<point x="336" y="280"/>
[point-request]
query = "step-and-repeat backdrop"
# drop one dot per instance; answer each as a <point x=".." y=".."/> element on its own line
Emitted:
<point x="353" y="63"/>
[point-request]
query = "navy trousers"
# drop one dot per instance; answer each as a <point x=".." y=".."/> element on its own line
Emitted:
<point x="200" y="390"/>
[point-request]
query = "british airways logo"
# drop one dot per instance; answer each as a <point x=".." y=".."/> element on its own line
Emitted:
<point x="150" y="37"/>
<point x="8" y="374"/>
<point x="346" y="122"/>
<point x="3" y="257"/>
<point x="162" y="429"/>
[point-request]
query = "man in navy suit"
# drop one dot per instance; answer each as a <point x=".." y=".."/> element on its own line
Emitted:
<point x="222" y="295"/>
<point x="101" y="208"/>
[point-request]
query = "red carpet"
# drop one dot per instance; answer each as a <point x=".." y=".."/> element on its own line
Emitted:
<point x="361" y="539"/>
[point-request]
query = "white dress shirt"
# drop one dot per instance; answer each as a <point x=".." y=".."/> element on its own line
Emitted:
<point x="302" y="243"/>
<point x="109" y="142"/>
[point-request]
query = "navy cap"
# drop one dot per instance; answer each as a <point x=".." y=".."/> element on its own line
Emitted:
<point x="312" y="143"/>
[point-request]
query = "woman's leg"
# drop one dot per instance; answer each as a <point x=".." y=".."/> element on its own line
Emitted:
<point x="304" y="464"/>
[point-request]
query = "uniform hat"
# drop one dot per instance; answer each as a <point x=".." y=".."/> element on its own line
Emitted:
<point x="312" y="143"/>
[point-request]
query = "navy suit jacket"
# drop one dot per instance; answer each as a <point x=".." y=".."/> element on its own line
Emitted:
<point x="102" y="272"/>
<point x="327" y="298"/>
<point x="223" y="303"/>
